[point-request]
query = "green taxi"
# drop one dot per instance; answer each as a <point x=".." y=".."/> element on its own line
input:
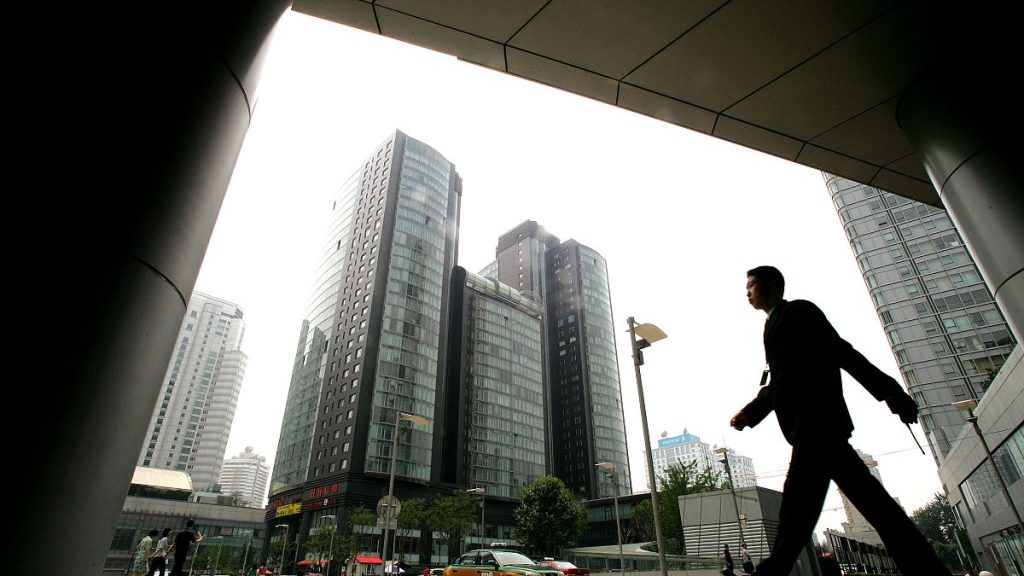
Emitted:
<point x="490" y="562"/>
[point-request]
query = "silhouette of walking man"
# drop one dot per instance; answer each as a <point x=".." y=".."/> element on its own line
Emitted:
<point x="804" y="354"/>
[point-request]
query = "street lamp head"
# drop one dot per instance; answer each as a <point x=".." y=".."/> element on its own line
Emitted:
<point x="414" y="418"/>
<point x="606" y="466"/>
<point x="650" y="333"/>
<point x="476" y="491"/>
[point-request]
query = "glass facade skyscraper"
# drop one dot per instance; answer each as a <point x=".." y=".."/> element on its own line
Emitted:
<point x="587" y="424"/>
<point x="946" y="332"/>
<point x="500" y="386"/>
<point x="373" y="340"/>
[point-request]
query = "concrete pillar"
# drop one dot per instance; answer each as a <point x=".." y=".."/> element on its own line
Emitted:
<point x="137" y="117"/>
<point x="971" y="146"/>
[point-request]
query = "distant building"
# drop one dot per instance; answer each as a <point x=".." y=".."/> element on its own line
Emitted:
<point x="857" y="527"/>
<point x="688" y="448"/>
<point x="587" y="423"/>
<point x="246" y="475"/>
<point x="192" y="419"/>
<point x="710" y="520"/>
<point x="855" y="555"/>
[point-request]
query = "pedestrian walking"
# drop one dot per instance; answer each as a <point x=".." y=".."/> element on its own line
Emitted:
<point x="804" y="354"/>
<point x="143" y="553"/>
<point x="745" y="560"/>
<point x="182" y="542"/>
<point x="158" y="560"/>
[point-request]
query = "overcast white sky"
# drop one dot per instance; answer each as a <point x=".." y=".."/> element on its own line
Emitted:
<point x="679" y="217"/>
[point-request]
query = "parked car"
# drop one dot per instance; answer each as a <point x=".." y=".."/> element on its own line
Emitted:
<point x="436" y="572"/>
<point x="567" y="568"/>
<point x="487" y="562"/>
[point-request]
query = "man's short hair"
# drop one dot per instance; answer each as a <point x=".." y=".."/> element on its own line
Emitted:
<point x="769" y="279"/>
<point x="189" y="523"/>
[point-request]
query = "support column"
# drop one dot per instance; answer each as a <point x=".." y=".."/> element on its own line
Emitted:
<point x="137" y="117"/>
<point x="971" y="148"/>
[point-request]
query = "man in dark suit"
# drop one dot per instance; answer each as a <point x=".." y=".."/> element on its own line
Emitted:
<point x="804" y="355"/>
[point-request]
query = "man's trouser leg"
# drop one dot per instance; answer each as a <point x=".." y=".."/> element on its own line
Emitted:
<point x="179" y="565"/>
<point x="802" y="498"/>
<point x="908" y="548"/>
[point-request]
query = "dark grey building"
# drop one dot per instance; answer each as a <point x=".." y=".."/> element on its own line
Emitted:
<point x="496" y="400"/>
<point x="372" y="343"/>
<point x="587" y="424"/>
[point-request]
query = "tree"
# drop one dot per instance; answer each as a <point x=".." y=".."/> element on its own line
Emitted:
<point x="278" y="548"/>
<point x="360" y="521"/>
<point x="451" y="517"/>
<point x="412" y="516"/>
<point x="641" y="524"/>
<point x="938" y="524"/>
<point x="548" y="518"/>
<point x="326" y="543"/>
<point x="681" y="479"/>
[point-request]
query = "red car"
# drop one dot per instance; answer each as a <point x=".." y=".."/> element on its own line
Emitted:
<point x="567" y="568"/>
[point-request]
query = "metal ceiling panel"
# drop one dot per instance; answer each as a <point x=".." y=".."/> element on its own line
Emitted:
<point x="609" y="37"/>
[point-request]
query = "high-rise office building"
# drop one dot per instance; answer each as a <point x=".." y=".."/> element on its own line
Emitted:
<point x="587" y="424"/>
<point x="497" y="387"/>
<point x="373" y="342"/>
<point x="945" y="330"/>
<point x="857" y="526"/>
<point x="246" y="475"/>
<point x="192" y="420"/>
<point x="688" y="448"/>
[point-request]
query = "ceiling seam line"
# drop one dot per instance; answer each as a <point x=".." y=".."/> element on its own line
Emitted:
<point x="676" y="39"/>
<point x="673" y="98"/>
<point x="858" y="114"/>
<point x="440" y="25"/>
<point x="812" y="57"/>
<point x="530" y="19"/>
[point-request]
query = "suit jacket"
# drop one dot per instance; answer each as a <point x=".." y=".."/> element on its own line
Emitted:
<point x="805" y="354"/>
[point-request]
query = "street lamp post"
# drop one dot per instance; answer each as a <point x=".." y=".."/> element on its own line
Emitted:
<point x="732" y="488"/>
<point x="245" y="557"/>
<point x="609" y="469"/>
<point x="216" y="561"/>
<point x="483" y="502"/>
<point x="649" y="334"/>
<point x="330" y="547"/>
<point x="969" y="406"/>
<point x="284" y="546"/>
<point x="388" y="515"/>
